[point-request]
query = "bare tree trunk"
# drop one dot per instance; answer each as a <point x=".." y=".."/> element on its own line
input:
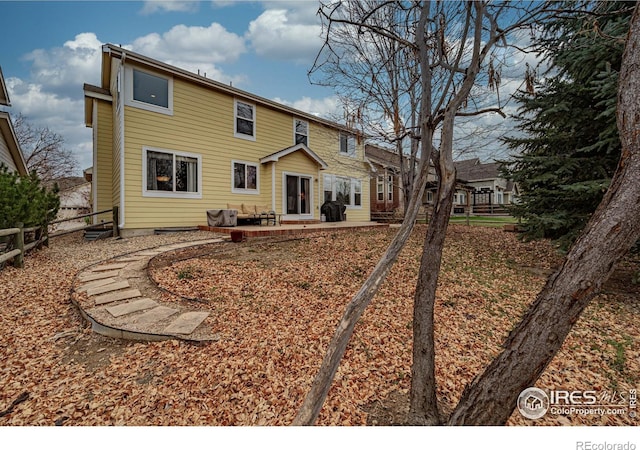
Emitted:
<point x="423" y="408"/>
<point x="312" y="404"/>
<point x="491" y="398"/>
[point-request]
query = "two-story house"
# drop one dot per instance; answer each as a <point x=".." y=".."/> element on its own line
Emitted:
<point x="169" y="144"/>
<point x="10" y="153"/>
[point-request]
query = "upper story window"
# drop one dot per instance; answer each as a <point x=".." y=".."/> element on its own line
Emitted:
<point x="347" y="144"/>
<point x="150" y="91"/>
<point x="245" y="122"/>
<point x="301" y="132"/>
<point x="171" y="174"/>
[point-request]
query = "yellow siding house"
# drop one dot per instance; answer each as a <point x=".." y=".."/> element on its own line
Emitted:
<point x="169" y="144"/>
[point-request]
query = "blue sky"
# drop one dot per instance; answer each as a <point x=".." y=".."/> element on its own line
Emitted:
<point x="49" y="49"/>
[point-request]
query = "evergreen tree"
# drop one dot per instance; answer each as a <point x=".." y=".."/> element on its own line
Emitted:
<point x="570" y="147"/>
<point x="25" y="200"/>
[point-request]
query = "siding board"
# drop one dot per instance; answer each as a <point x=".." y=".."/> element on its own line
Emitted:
<point x="5" y="155"/>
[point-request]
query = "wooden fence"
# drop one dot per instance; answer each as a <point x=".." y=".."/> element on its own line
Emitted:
<point x="114" y="212"/>
<point x="20" y="247"/>
<point x="40" y="237"/>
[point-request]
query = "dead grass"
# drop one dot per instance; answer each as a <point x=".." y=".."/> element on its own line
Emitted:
<point x="275" y="305"/>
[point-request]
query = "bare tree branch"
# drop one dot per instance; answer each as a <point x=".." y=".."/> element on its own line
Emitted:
<point x="44" y="151"/>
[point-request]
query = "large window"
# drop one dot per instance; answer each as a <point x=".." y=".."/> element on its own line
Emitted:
<point x="301" y="132"/>
<point x="343" y="189"/>
<point x="390" y="188"/>
<point x="171" y="174"/>
<point x="245" y="123"/>
<point x="347" y="144"/>
<point x="245" y="178"/>
<point x="150" y="91"/>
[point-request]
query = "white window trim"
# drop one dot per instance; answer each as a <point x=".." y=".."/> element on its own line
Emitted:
<point x="380" y="188"/>
<point x="352" y="154"/>
<point x="235" y="190"/>
<point x="351" y="188"/>
<point x="354" y="182"/>
<point x="235" y="120"/>
<point x="295" y="132"/>
<point x="128" y="92"/>
<point x="284" y="196"/>
<point x="167" y="194"/>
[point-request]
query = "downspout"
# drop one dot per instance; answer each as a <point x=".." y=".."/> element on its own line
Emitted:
<point x="94" y="170"/>
<point x="319" y="205"/>
<point x="122" y="146"/>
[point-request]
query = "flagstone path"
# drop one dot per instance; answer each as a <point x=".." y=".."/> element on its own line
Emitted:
<point x="120" y="300"/>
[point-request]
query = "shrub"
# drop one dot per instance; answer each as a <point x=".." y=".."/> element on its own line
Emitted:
<point x="25" y="200"/>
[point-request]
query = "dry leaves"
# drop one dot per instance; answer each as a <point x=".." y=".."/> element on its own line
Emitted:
<point x="276" y="305"/>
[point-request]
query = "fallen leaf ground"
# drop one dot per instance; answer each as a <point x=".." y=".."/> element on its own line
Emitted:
<point x="275" y="304"/>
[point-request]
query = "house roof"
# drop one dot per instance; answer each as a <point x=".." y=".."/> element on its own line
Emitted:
<point x="65" y="183"/>
<point x="382" y="156"/>
<point x="110" y="51"/>
<point x="9" y="134"/>
<point x="298" y="147"/>
<point x="92" y="92"/>
<point x="4" y="93"/>
<point x="473" y="170"/>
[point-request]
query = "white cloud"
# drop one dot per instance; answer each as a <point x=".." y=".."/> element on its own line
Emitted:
<point x="213" y="44"/>
<point x="64" y="69"/>
<point x="284" y="35"/>
<point x="52" y="96"/>
<point x="301" y="12"/>
<point x="61" y="114"/>
<point x="327" y="108"/>
<point x="153" y="6"/>
<point x="196" y="49"/>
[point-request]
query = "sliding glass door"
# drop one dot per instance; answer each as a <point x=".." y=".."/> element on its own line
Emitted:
<point x="298" y="194"/>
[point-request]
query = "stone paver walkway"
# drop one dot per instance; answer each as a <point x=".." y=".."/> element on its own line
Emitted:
<point x="120" y="300"/>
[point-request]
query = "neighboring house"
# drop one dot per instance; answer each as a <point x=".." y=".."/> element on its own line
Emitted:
<point x="489" y="187"/>
<point x="10" y="152"/>
<point x="386" y="192"/>
<point x="74" y="193"/>
<point x="385" y="185"/>
<point x="168" y="145"/>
